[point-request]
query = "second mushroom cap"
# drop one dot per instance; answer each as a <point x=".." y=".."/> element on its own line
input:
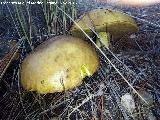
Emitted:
<point x="103" y="20"/>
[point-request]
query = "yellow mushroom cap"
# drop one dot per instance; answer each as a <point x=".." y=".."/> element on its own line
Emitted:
<point x="58" y="65"/>
<point x="103" y="20"/>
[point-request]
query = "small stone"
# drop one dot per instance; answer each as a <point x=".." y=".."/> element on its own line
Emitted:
<point x="128" y="103"/>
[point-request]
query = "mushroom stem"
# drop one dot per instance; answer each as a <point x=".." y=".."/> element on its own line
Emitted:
<point x="103" y="40"/>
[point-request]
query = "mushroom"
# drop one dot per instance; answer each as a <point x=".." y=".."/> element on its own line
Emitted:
<point x="59" y="64"/>
<point x="106" y="23"/>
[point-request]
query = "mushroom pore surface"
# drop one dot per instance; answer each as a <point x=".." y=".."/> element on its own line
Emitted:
<point x="56" y="65"/>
